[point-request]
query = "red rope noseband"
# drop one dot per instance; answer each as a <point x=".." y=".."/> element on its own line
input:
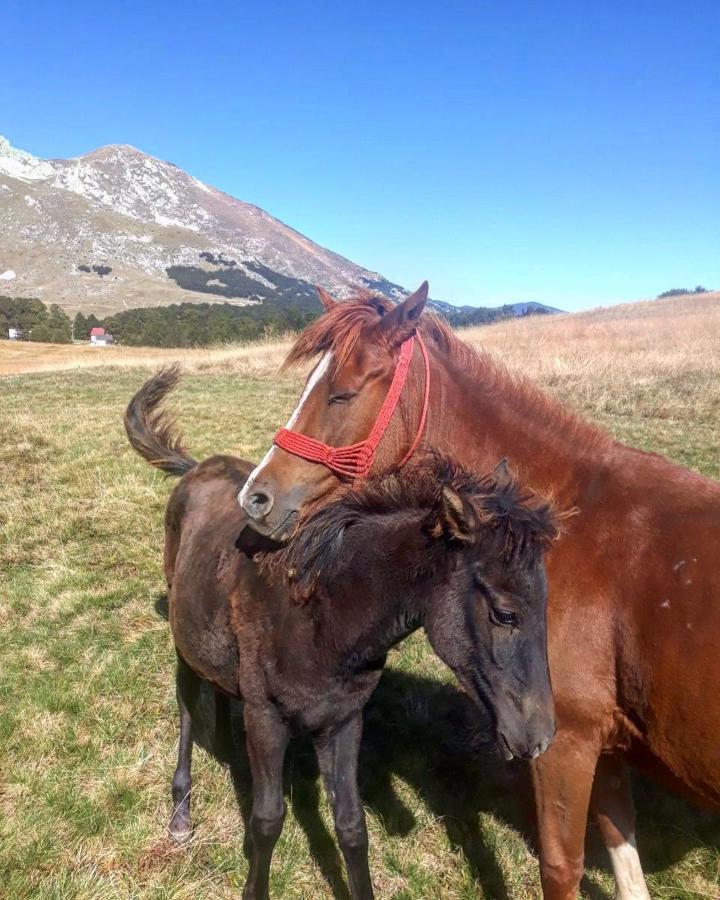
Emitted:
<point x="355" y="460"/>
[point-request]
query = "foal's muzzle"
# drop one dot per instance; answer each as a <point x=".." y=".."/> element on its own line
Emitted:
<point x="528" y="747"/>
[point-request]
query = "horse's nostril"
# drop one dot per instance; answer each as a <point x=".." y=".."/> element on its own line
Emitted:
<point x="259" y="505"/>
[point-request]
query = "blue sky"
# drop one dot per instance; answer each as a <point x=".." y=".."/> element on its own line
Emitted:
<point x="560" y="151"/>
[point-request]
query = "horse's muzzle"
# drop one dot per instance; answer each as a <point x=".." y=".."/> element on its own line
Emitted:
<point x="267" y="518"/>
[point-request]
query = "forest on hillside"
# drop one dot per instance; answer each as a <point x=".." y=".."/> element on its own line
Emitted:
<point x="179" y="325"/>
<point x="35" y="320"/>
<point x="195" y="324"/>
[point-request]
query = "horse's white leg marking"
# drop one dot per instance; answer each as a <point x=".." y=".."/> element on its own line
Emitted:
<point x="629" y="877"/>
<point x="315" y="376"/>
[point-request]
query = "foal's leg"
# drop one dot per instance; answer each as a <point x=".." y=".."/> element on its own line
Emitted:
<point x="267" y="738"/>
<point x="562" y="784"/>
<point x="613" y="808"/>
<point x="338" y="761"/>
<point x="186" y="686"/>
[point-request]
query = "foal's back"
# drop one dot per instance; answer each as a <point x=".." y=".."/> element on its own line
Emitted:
<point x="202" y="523"/>
<point x="235" y="626"/>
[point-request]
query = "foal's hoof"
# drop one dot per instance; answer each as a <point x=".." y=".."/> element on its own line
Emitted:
<point x="180" y="828"/>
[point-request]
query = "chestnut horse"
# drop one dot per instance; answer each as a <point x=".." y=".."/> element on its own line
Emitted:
<point x="634" y="607"/>
<point x="461" y="557"/>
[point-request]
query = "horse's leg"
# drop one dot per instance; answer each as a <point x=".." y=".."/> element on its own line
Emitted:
<point x="337" y="756"/>
<point x="562" y="784"/>
<point x="186" y="684"/>
<point x="612" y="806"/>
<point x="267" y="738"/>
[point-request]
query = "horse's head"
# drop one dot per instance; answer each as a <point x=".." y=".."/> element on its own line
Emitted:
<point x="359" y="344"/>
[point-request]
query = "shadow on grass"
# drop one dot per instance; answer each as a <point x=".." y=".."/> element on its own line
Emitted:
<point x="432" y="737"/>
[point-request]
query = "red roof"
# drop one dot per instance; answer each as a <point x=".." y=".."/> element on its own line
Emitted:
<point x="97" y="332"/>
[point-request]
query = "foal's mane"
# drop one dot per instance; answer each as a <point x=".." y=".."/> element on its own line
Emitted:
<point x="512" y="522"/>
<point x="350" y="321"/>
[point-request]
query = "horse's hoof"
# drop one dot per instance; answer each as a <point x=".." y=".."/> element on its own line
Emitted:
<point x="180" y="829"/>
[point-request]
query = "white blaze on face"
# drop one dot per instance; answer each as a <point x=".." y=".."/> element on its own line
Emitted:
<point x="629" y="877"/>
<point x="315" y="376"/>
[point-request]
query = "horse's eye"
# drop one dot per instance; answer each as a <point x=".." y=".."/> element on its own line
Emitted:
<point x="503" y="618"/>
<point x="343" y="398"/>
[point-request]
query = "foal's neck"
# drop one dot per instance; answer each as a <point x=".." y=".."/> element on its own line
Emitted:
<point x="377" y="598"/>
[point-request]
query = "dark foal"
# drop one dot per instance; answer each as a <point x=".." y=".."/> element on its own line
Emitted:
<point x="302" y="635"/>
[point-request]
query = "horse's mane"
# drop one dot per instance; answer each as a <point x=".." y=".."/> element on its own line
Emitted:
<point x="341" y="327"/>
<point x="512" y="522"/>
<point x="348" y="321"/>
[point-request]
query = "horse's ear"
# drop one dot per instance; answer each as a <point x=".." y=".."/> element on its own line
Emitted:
<point x="455" y="519"/>
<point x="327" y="301"/>
<point x="401" y="321"/>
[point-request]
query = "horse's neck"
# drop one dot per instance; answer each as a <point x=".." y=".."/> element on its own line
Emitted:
<point x="497" y="416"/>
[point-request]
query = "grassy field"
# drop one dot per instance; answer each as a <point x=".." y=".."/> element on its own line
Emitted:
<point x="87" y="712"/>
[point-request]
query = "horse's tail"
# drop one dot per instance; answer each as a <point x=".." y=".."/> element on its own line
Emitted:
<point x="152" y="431"/>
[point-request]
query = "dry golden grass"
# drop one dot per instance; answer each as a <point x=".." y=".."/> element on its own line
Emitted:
<point x="671" y="337"/>
<point x="253" y="358"/>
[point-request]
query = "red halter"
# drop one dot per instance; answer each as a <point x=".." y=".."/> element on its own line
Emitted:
<point x="355" y="460"/>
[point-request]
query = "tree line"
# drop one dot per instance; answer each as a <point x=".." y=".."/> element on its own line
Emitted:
<point x="681" y="292"/>
<point x="35" y="320"/>
<point x="195" y="324"/>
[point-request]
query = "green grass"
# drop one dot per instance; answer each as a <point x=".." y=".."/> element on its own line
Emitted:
<point x="87" y="711"/>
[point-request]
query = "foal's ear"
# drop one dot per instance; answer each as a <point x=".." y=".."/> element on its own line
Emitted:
<point x="327" y="301"/>
<point x="455" y="519"/>
<point x="501" y="473"/>
<point x="401" y="321"/>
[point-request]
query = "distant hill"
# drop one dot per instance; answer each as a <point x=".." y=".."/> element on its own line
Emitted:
<point x="479" y="315"/>
<point x="116" y="229"/>
<point x="531" y="307"/>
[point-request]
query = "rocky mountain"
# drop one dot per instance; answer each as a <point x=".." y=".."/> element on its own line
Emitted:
<point x="116" y="229"/>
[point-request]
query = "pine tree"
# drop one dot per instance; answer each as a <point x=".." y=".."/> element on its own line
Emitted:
<point x="81" y="332"/>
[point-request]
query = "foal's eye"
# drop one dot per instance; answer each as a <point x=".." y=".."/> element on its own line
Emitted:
<point x="343" y="398"/>
<point x="503" y="618"/>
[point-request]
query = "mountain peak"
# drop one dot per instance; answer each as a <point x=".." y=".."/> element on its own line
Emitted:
<point x="109" y="149"/>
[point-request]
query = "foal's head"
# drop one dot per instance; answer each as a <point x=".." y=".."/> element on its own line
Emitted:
<point x="357" y="344"/>
<point x="461" y="555"/>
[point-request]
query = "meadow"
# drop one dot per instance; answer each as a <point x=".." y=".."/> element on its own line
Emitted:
<point x="88" y="729"/>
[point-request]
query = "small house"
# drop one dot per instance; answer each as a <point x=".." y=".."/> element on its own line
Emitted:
<point x="100" y="338"/>
<point x="14" y="334"/>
